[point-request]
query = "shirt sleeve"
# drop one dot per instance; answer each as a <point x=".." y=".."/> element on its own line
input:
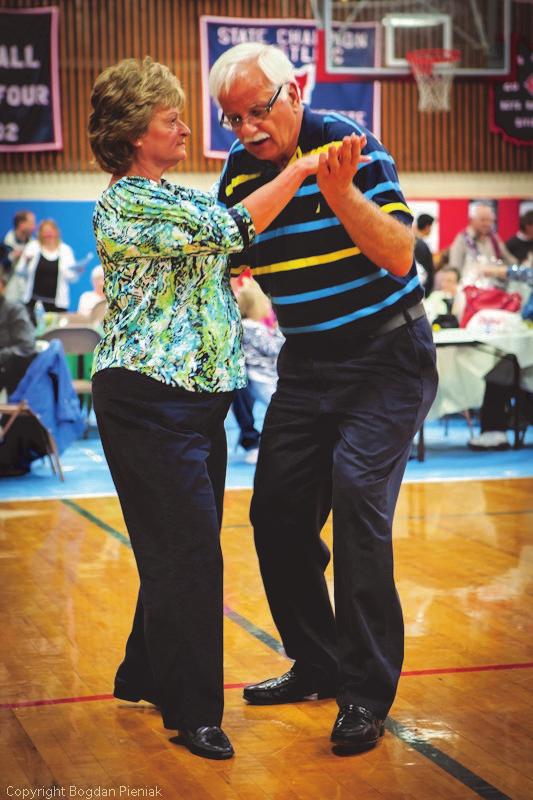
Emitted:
<point x="458" y="252"/>
<point x="159" y="224"/>
<point x="378" y="181"/>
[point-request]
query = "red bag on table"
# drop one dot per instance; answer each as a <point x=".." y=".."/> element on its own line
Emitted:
<point x="477" y="298"/>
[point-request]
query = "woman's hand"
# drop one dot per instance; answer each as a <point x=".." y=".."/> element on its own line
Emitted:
<point x="338" y="166"/>
<point x="308" y="165"/>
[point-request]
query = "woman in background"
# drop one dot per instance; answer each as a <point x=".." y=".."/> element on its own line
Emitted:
<point x="47" y="265"/>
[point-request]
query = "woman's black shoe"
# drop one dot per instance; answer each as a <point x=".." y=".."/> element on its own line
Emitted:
<point x="288" y="688"/>
<point x="208" y="742"/>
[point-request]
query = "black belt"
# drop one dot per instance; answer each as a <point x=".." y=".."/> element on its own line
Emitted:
<point x="402" y="318"/>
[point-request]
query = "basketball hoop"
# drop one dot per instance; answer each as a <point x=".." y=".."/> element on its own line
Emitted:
<point x="433" y="70"/>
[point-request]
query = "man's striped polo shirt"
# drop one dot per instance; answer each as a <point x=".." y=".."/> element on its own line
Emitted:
<point x="322" y="287"/>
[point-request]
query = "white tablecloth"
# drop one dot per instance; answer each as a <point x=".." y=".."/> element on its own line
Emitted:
<point x="462" y="366"/>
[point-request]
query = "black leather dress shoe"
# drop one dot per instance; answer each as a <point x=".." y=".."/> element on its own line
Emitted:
<point x="124" y="691"/>
<point x="289" y="688"/>
<point x="356" y="729"/>
<point x="209" y="742"/>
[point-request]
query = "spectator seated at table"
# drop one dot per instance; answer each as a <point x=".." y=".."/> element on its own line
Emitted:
<point x="88" y="300"/>
<point x="445" y="303"/>
<point x="42" y="379"/>
<point x="496" y="410"/>
<point x="17" y="339"/>
<point x="478" y="244"/>
<point x="496" y="414"/>
<point x="47" y="388"/>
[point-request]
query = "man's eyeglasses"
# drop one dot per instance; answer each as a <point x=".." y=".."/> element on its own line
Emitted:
<point x="233" y="122"/>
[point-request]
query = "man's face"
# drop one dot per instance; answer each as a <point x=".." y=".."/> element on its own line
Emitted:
<point x="27" y="226"/>
<point x="275" y="137"/>
<point x="448" y="282"/>
<point x="528" y="232"/>
<point x="483" y="220"/>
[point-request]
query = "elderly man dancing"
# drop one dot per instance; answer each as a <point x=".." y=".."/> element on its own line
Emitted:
<point x="356" y="379"/>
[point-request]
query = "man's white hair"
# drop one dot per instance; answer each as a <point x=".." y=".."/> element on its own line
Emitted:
<point x="272" y="62"/>
<point x="478" y="204"/>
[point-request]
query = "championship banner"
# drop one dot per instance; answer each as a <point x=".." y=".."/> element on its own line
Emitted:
<point x="512" y="101"/>
<point x="30" y="117"/>
<point x="298" y="39"/>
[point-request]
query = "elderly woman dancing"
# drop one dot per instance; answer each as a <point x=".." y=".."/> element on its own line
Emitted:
<point x="164" y="377"/>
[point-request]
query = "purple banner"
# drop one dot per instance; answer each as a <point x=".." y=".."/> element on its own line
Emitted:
<point x="30" y="117"/>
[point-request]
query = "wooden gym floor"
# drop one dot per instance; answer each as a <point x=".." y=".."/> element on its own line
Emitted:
<point x="462" y="724"/>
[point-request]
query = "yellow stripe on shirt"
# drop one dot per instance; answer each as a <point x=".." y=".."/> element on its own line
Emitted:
<point x="302" y="263"/>
<point x="238" y="179"/>
<point x="389" y="207"/>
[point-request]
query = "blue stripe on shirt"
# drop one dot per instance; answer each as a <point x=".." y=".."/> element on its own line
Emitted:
<point x="305" y="297"/>
<point x="376" y="155"/>
<point x="303" y="227"/>
<point x="363" y="312"/>
<point x="386" y="186"/>
<point x="333" y="117"/>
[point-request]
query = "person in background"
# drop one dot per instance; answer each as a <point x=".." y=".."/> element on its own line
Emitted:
<point x="244" y="400"/>
<point x="243" y="411"/>
<point x="423" y="255"/>
<point x="261" y="342"/>
<point x="494" y="415"/>
<point x="479" y="242"/>
<point x="17" y="337"/>
<point x="88" y="300"/>
<point x="48" y="267"/>
<point x="356" y="377"/>
<point x="15" y="241"/>
<point x="163" y="379"/>
<point x="521" y="244"/>
<point x="18" y="237"/>
<point x="445" y="304"/>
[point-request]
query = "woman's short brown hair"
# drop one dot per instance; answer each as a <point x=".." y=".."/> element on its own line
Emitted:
<point x="123" y="99"/>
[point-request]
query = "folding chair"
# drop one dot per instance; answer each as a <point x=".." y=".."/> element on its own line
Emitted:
<point x="14" y="411"/>
<point x="78" y="340"/>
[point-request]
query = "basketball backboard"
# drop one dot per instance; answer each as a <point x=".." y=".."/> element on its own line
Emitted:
<point x="480" y="29"/>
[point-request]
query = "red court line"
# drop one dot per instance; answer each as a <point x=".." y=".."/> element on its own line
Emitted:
<point x="451" y="670"/>
<point x="407" y="674"/>
<point x="83" y="699"/>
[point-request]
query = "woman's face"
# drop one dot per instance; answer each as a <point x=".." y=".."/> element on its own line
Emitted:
<point x="49" y="236"/>
<point x="163" y="144"/>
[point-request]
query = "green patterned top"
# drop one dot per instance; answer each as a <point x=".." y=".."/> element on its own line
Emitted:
<point x="172" y="314"/>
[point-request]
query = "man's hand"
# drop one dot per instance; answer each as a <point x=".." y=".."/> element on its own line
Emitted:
<point x="338" y="166"/>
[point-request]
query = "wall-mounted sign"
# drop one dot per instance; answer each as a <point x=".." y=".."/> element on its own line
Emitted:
<point x="298" y="39"/>
<point x="30" y="116"/>
<point x="512" y="101"/>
